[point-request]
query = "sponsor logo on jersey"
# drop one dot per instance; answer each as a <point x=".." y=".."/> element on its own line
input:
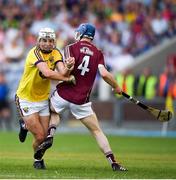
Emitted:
<point x="51" y="59"/>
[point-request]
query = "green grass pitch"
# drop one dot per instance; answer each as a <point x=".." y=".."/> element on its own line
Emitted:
<point x="76" y="156"/>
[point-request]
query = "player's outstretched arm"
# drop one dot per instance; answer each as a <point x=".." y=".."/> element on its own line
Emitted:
<point x="50" y="74"/>
<point x="108" y="78"/>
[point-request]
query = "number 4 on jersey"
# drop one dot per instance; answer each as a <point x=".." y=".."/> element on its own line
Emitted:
<point x="83" y="66"/>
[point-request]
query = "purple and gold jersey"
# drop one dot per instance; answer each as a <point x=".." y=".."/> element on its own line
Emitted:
<point x="33" y="86"/>
<point x="87" y="58"/>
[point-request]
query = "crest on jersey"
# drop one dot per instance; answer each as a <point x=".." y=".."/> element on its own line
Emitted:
<point x="25" y="109"/>
<point x="86" y="50"/>
<point x="51" y="59"/>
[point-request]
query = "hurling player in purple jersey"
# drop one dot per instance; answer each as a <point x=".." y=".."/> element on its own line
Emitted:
<point x="88" y="60"/>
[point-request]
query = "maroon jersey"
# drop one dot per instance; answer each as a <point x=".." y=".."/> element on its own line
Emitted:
<point x="87" y="58"/>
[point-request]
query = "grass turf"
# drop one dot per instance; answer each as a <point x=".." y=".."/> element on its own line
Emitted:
<point x="77" y="156"/>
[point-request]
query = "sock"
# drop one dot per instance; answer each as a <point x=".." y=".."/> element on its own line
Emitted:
<point x="23" y="124"/>
<point x="110" y="157"/>
<point x="51" y="130"/>
<point x="38" y="160"/>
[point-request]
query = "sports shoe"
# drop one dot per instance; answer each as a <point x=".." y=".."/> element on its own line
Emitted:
<point x="39" y="164"/>
<point x="23" y="131"/>
<point x="118" y="167"/>
<point x="43" y="147"/>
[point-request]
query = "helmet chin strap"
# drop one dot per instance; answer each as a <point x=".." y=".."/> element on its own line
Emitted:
<point x="45" y="51"/>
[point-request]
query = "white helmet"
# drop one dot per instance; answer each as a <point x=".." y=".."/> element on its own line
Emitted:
<point x="46" y="33"/>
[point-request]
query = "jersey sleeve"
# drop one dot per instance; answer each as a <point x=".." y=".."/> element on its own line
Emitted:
<point x="101" y="59"/>
<point x="34" y="57"/>
<point x="68" y="52"/>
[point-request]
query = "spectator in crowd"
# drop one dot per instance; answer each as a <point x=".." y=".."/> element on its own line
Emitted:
<point x="126" y="81"/>
<point x="5" y="112"/>
<point x="159" y="25"/>
<point x="2" y="55"/>
<point x="171" y="62"/>
<point x="146" y="84"/>
<point x="14" y="47"/>
<point x="111" y="13"/>
<point x="123" y="61"/>
<point x="167" y="82"/>
<point x="167" y="87"/>
<point x="138" y="19"/>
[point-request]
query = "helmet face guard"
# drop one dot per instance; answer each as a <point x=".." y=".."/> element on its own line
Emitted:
<point x="77" y="35"/>
<point x="85" y="30"/>
<point x="45" y="34"/>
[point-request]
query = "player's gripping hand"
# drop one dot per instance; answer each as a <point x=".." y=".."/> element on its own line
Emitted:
<point x="69" y="63"/>
<point x="72" y="79"/>
<point x="117" y="90"/>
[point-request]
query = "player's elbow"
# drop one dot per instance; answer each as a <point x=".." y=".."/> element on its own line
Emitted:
<point x="104" y="74"/>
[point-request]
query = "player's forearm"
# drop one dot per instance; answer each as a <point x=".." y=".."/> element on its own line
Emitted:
<point x="66" y="71"/>
<point x="108" y="78"/>
<point x="111" y="81"/>
<point x="53" y="75"/>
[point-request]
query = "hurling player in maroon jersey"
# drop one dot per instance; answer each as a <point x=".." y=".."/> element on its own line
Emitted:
<point x="88" y="60"/>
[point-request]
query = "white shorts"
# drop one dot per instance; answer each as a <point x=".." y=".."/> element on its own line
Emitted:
<point x="79" y="111"/>
<point x="27" y="108"/>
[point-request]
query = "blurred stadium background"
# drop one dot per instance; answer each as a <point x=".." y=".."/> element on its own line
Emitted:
<point x="138" y="38"/>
